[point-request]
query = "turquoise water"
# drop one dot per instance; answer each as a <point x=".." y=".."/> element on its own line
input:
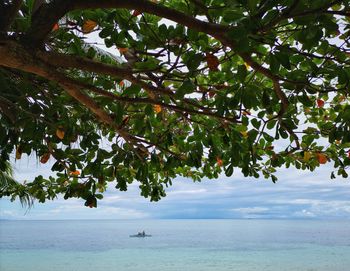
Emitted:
<point x="242" y="245"/>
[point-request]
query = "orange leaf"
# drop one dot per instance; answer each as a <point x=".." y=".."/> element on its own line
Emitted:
<point x="212" y="61"/>
<point x="320" y="103"/>
<point x="75" y="173"/>
<point x="123" y="50"/>
<point x="55" y="27"/>
<point x="157" y="108"/>
<point x="45" y="158"/>
<point x="219" y="161"/>
<point x="322" y="158"/>
<point x="60" y="133"/>
<point x="88" y="26"/>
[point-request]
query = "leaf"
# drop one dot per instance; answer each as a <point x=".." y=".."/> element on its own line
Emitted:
<point x="321" y="158"/>
<point x="45" y="158"/>
<point x="212" y="62"/>
<point x="123" y="50"/>
<point x="18" y="152"/>
<point x="283" y="58"/>
<point x="132" y="90"/>
<point x="136" y="13"/>
<point x="88" y="26"/>
<point x="229" y="170"/>
<point x="307" y="156"/>
<point x="219" y="162"/>
<point x="242" y="73"/>
<point x="55" y="27"/>
<point x="244" y="134"/>
<point x="186" y="87"/>
<point x="157" y="108"/>
<point x="274" y="64"/>
<point x="320" y="103"/>
<point x="75" y="173"/>
<point x="60" y="133"/>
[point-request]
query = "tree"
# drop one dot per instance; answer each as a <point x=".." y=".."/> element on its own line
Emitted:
<point x="10" y="187"/>
<point x="205" y="86"/>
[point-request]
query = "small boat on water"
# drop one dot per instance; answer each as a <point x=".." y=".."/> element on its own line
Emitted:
<point x="141" y="234"/>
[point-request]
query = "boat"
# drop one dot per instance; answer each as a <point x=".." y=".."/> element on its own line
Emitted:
<point x="141" y="234"/>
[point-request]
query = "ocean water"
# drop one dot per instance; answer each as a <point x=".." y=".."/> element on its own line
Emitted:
<point x="181" y="245"/>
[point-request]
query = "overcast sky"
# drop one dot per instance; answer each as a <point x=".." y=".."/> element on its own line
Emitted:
<point x="297" y="195"/>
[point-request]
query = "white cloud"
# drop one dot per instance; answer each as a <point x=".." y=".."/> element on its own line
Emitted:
<point x="251" y="210"/>
<point x="188" y="192"/>
<point x="304" y="214"/>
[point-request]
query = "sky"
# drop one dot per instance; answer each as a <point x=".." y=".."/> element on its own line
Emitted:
<point x="296" y="195"/>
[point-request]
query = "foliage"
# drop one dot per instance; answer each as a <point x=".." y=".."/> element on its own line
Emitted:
<point x="10" y="187"/>
<point x="192" y="88"/>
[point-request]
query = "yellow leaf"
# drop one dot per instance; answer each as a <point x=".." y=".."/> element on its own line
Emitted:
<point x="18" y="153"/>
<point x="60" y="133"/>
<point x="157" y="108"/>
<point x="307" y="156"/>
<point x="244" y="134"/>
<point x="88" y="26"/>
<point x="246" y="65"/>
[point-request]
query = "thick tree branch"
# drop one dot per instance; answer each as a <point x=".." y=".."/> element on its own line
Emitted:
<point x="16" y="57"/>
<point x="83" y="63"/>
<point x="49" y="14"/>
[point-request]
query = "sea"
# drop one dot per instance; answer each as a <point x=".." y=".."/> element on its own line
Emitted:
<point x="175" y="245"/>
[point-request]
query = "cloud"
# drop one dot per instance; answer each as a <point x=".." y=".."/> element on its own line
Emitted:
<point x="82" y="212"/>
<point x="251" y="210"/>
<point x="304" y="214"/>
<point x="297" y="194"/>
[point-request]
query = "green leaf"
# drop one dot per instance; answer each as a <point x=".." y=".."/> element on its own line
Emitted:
<point x="186" y="87"/>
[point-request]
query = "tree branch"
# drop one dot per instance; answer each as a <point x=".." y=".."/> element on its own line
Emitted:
<point x="50" y="13"/>
<point x="83" y="63"/>
<point x="69" y="61"/>
<point x="15" y="56"/>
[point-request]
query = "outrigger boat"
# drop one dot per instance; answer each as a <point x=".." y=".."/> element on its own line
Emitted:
<point x="141" y="234"/>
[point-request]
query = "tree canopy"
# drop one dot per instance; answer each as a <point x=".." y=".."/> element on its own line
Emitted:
<point x="192" y="88"/>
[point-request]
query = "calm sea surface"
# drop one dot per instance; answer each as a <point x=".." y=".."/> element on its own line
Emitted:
<point x="181" y="245"/>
